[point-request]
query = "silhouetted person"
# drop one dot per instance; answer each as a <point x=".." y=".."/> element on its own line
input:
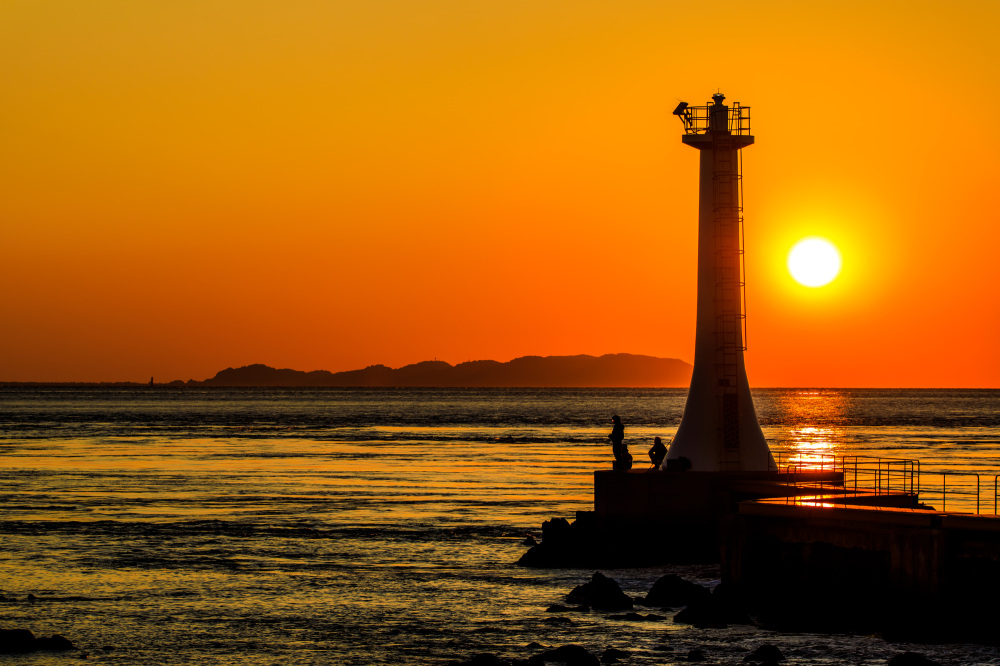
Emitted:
<point x="657" y="452"/>
<point x="623" y="460"/>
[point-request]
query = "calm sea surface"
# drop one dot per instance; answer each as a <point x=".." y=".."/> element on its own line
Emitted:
<point x="303" y="526"/>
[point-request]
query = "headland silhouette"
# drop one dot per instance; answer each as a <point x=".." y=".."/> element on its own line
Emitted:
<point x="580" y="371"/>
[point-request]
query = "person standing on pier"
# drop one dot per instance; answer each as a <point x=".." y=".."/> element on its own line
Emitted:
<point x="623" y="460"/>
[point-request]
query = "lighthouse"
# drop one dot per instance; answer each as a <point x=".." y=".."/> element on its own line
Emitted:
<point x="719" y="431"/>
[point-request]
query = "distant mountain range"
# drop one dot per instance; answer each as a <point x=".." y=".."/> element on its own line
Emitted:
<point x="610" y="370"/>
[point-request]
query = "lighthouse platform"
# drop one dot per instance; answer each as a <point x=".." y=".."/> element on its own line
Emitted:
<point x="651" y="517"/>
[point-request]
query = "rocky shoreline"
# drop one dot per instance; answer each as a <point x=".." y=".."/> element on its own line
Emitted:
<point x="691" y="603"/>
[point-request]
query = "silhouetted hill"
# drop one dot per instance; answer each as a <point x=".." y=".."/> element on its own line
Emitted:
<point x="610" y="370"/>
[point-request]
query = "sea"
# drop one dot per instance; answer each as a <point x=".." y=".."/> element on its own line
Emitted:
<point x="189" y="525"/>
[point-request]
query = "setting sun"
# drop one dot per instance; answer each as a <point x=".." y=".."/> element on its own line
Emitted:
<point x="814" y="262"/>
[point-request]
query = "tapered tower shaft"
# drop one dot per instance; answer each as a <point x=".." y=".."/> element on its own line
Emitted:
<point x="719" y="430"/>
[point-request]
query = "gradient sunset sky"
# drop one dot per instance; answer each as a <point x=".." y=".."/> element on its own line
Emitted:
<point x="192" y="185"/>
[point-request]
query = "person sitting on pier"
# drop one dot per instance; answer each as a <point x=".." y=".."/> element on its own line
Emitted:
<point x="623" y="459"/>
<point x="657" y="452"/>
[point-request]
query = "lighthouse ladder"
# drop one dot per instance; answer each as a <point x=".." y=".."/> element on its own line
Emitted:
<point x="729" y="297"/>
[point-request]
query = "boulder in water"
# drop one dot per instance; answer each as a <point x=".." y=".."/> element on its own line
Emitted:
<point x="557" y="619"/>
<point x="765" y="653"/>
<point x="674" y="591"/>
<point x="555" y="529"/>
<point x="702" y="613"/>
<point x="613" y="656"/>
<point x="22" y="641"/>
<point x="601" y="593"/>
<point x="54" y="643"/>
<point x="16" y="641"/>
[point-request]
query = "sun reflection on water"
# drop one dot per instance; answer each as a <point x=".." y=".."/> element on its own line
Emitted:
<point x="816" y="443"/>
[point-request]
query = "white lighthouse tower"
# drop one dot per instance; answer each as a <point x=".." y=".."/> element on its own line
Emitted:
<point x="719" y="431"/>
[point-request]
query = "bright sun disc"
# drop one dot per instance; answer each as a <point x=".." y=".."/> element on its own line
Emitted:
<point x="814" y="262"/>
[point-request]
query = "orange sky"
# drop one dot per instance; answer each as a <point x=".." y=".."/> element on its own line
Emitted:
<point x="192" y="185"/>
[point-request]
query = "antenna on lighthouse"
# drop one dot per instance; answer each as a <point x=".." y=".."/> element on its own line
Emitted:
<point x="719" y="430"/>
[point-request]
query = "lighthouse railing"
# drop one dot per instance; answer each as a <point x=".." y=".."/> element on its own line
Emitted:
<point x="696" y="121"/>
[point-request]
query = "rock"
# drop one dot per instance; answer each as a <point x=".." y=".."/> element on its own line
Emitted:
<point x="702" y="614"/>
<point x="911" y="659"/>
<point x="22" y="641"/>
<point x="534" y="645"/>
<point x="537" y="556"/>
<point x="766" y="652"/>
<point x="601" y="593"/>
<point x="16" y="641"/>
<point x="672" y="590"/>
<point x="559" y="608"/>
<point x="558" y="547"/>
<point x="718" y="609"/>
<point x="555" y="529"/>
<point x="696" y="655"/>
<point x="54" y="643"/>
<point x="613" y="656"/>
<point x="571" y="655"/>
<point x="529" y="541"/>
<point x="557" y="620"/>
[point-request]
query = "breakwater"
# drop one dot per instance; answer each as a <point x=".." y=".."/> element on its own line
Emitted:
<point x="801" y="550"/>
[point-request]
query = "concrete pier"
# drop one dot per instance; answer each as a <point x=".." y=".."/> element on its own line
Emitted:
<point x="823" y="565"/>
<point x="653" y="517"/>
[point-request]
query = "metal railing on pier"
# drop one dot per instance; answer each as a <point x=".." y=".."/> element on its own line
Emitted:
<point x="957" y="492"/>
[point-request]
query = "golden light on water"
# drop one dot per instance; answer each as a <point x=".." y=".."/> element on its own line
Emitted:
<point x="816" y="444"/>
<point x="812" y="439"/>
<point x="812" y="449"/>
<point x="814" y="262"/>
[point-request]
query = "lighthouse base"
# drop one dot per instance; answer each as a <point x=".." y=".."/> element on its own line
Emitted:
<point x="648" y="518"/>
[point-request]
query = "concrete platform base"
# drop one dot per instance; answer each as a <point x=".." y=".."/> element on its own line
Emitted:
<point x="914" y="573"/>
<point x="643" y="518"/>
